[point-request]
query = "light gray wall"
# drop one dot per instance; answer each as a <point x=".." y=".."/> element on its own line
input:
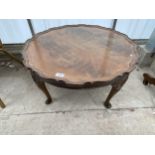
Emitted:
<point x="17" y="30"/>
<point x="14" y="31"/>
<point x="44" y="24"/>
<point x="136" y="28"/>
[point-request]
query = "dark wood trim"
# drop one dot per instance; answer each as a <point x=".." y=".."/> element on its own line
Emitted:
<point x="63" y="84"/>
<point x="116" y="84"/>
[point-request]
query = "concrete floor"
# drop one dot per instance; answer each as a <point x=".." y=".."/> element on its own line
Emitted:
<point x="75" y="111"/>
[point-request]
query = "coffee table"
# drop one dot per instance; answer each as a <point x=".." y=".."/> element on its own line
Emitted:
<point x="80" y="56"/>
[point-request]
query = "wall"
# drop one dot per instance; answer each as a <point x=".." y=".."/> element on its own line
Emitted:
<point x="136" y="29"/>
<point x="17" y="30"/>
<point x="40" y="25"/>
<point x="14" y="31"/>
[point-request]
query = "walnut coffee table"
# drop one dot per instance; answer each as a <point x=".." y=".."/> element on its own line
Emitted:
<point x="80" y="56"/>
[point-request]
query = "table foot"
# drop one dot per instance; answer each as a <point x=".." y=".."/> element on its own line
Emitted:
<point x="49" y="101"/>
<point x="116" y="86"/>
<point x="41" y="85"/>
<point x="145" y="82"/>
<point x="107" y="105"/>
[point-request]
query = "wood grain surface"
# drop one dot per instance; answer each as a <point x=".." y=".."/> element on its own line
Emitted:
<point x="80" y="53"/>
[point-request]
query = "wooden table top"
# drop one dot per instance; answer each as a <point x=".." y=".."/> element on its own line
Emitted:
<point x="78" y="54"/>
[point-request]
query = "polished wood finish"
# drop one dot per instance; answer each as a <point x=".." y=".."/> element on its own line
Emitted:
<point x="81" y="56"/>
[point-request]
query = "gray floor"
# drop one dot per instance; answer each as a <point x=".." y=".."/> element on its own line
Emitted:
<point x="75" y="111"/>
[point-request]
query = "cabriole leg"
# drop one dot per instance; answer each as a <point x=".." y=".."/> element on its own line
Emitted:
<point x="40" y="83"/>
<point x="116" y="86"/>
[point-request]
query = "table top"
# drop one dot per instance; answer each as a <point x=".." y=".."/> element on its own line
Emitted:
<point x="78" y="54"/>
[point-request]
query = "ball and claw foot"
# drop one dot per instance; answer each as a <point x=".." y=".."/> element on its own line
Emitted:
<point x="107" y="105"/>
<point x="48" y="101"/>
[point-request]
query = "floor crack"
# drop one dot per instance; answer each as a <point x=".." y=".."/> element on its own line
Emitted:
<point x="80" y="110"/>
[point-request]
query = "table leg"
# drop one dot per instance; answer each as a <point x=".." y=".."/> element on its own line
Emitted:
<point x="40" y="83"/>
<point x="116" y="86"/>
<point x="148" y="79"/>
<point x="2" y="104"/>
